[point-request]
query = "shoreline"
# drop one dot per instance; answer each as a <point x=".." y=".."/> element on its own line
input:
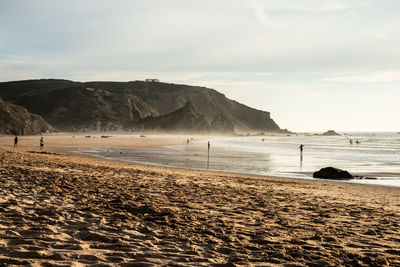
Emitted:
<point x="382" y="178"/>
<point x="253" y="175"/>
<point x="140" y="141"/>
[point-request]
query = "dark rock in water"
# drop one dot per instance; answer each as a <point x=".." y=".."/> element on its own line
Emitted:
<point x="332" y="173"/>
<point x="330" y="133"/>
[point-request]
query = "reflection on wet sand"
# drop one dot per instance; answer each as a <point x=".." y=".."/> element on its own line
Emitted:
<point x="301" y="162"/>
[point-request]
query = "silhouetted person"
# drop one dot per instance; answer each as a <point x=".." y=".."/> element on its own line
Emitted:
<point x="41" y="143"/>
<point x="15" y="141"/>
<point x="301" y="149"/>
<point x="351" y="142"/>
<point x="208" y="155"/>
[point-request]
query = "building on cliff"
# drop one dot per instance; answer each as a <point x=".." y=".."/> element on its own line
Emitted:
<point x="152" y="80"/>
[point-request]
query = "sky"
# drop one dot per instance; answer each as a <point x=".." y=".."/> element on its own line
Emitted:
<point x="315" y="65"/>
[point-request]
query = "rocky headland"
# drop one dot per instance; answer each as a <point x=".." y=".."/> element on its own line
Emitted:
<point x="132" y="106"/>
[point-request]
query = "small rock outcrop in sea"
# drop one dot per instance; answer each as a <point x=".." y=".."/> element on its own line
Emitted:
<point x="330" y="133"/>
<point x="332" y="173"/>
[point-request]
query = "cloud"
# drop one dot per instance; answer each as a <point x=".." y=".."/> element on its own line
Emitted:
<point x="388" y="76"/>
<point x="311" y="5"/>
<point x="258" y="9"/>
<point x="194" y="36"/>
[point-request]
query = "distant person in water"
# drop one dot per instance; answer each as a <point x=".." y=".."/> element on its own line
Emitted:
<point x="208" y="154"/>
<point x="41" y="143"/>
<point x="301" y="149"/>
<point x="15" y="141"/>
<point x="351" y="142"/>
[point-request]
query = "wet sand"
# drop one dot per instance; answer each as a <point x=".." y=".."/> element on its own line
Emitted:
<point x="62" y="209"/>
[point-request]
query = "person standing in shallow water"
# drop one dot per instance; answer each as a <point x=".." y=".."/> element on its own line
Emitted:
<point x="301" y="149"/>
<point x="41" y="143"/>
<point x="208" y="155"/>
<point x="15" y="141"/>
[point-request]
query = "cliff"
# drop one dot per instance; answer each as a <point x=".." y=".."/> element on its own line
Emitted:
<point x="17" y="120"/>
<point x="103" y="106"/>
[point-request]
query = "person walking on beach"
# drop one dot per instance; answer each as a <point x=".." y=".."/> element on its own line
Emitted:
<point x="15" y="141"/>
<point x="301" y="149"/>
<point x="41" y="143"/>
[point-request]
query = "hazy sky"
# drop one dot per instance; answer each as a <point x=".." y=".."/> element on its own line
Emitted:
<point x="314" y="64"/>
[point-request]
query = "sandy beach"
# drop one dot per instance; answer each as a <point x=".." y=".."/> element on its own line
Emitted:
<point x="64" y="209"/>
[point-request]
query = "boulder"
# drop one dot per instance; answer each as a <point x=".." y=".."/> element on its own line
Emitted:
<point x="332" y="173"/>
<point x="330" y="133"/>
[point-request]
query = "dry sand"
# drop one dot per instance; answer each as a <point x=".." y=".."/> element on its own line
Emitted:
<point x="59" y="209"/>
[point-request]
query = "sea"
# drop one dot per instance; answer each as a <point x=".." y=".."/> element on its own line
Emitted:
<point x="374" y="156"/>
